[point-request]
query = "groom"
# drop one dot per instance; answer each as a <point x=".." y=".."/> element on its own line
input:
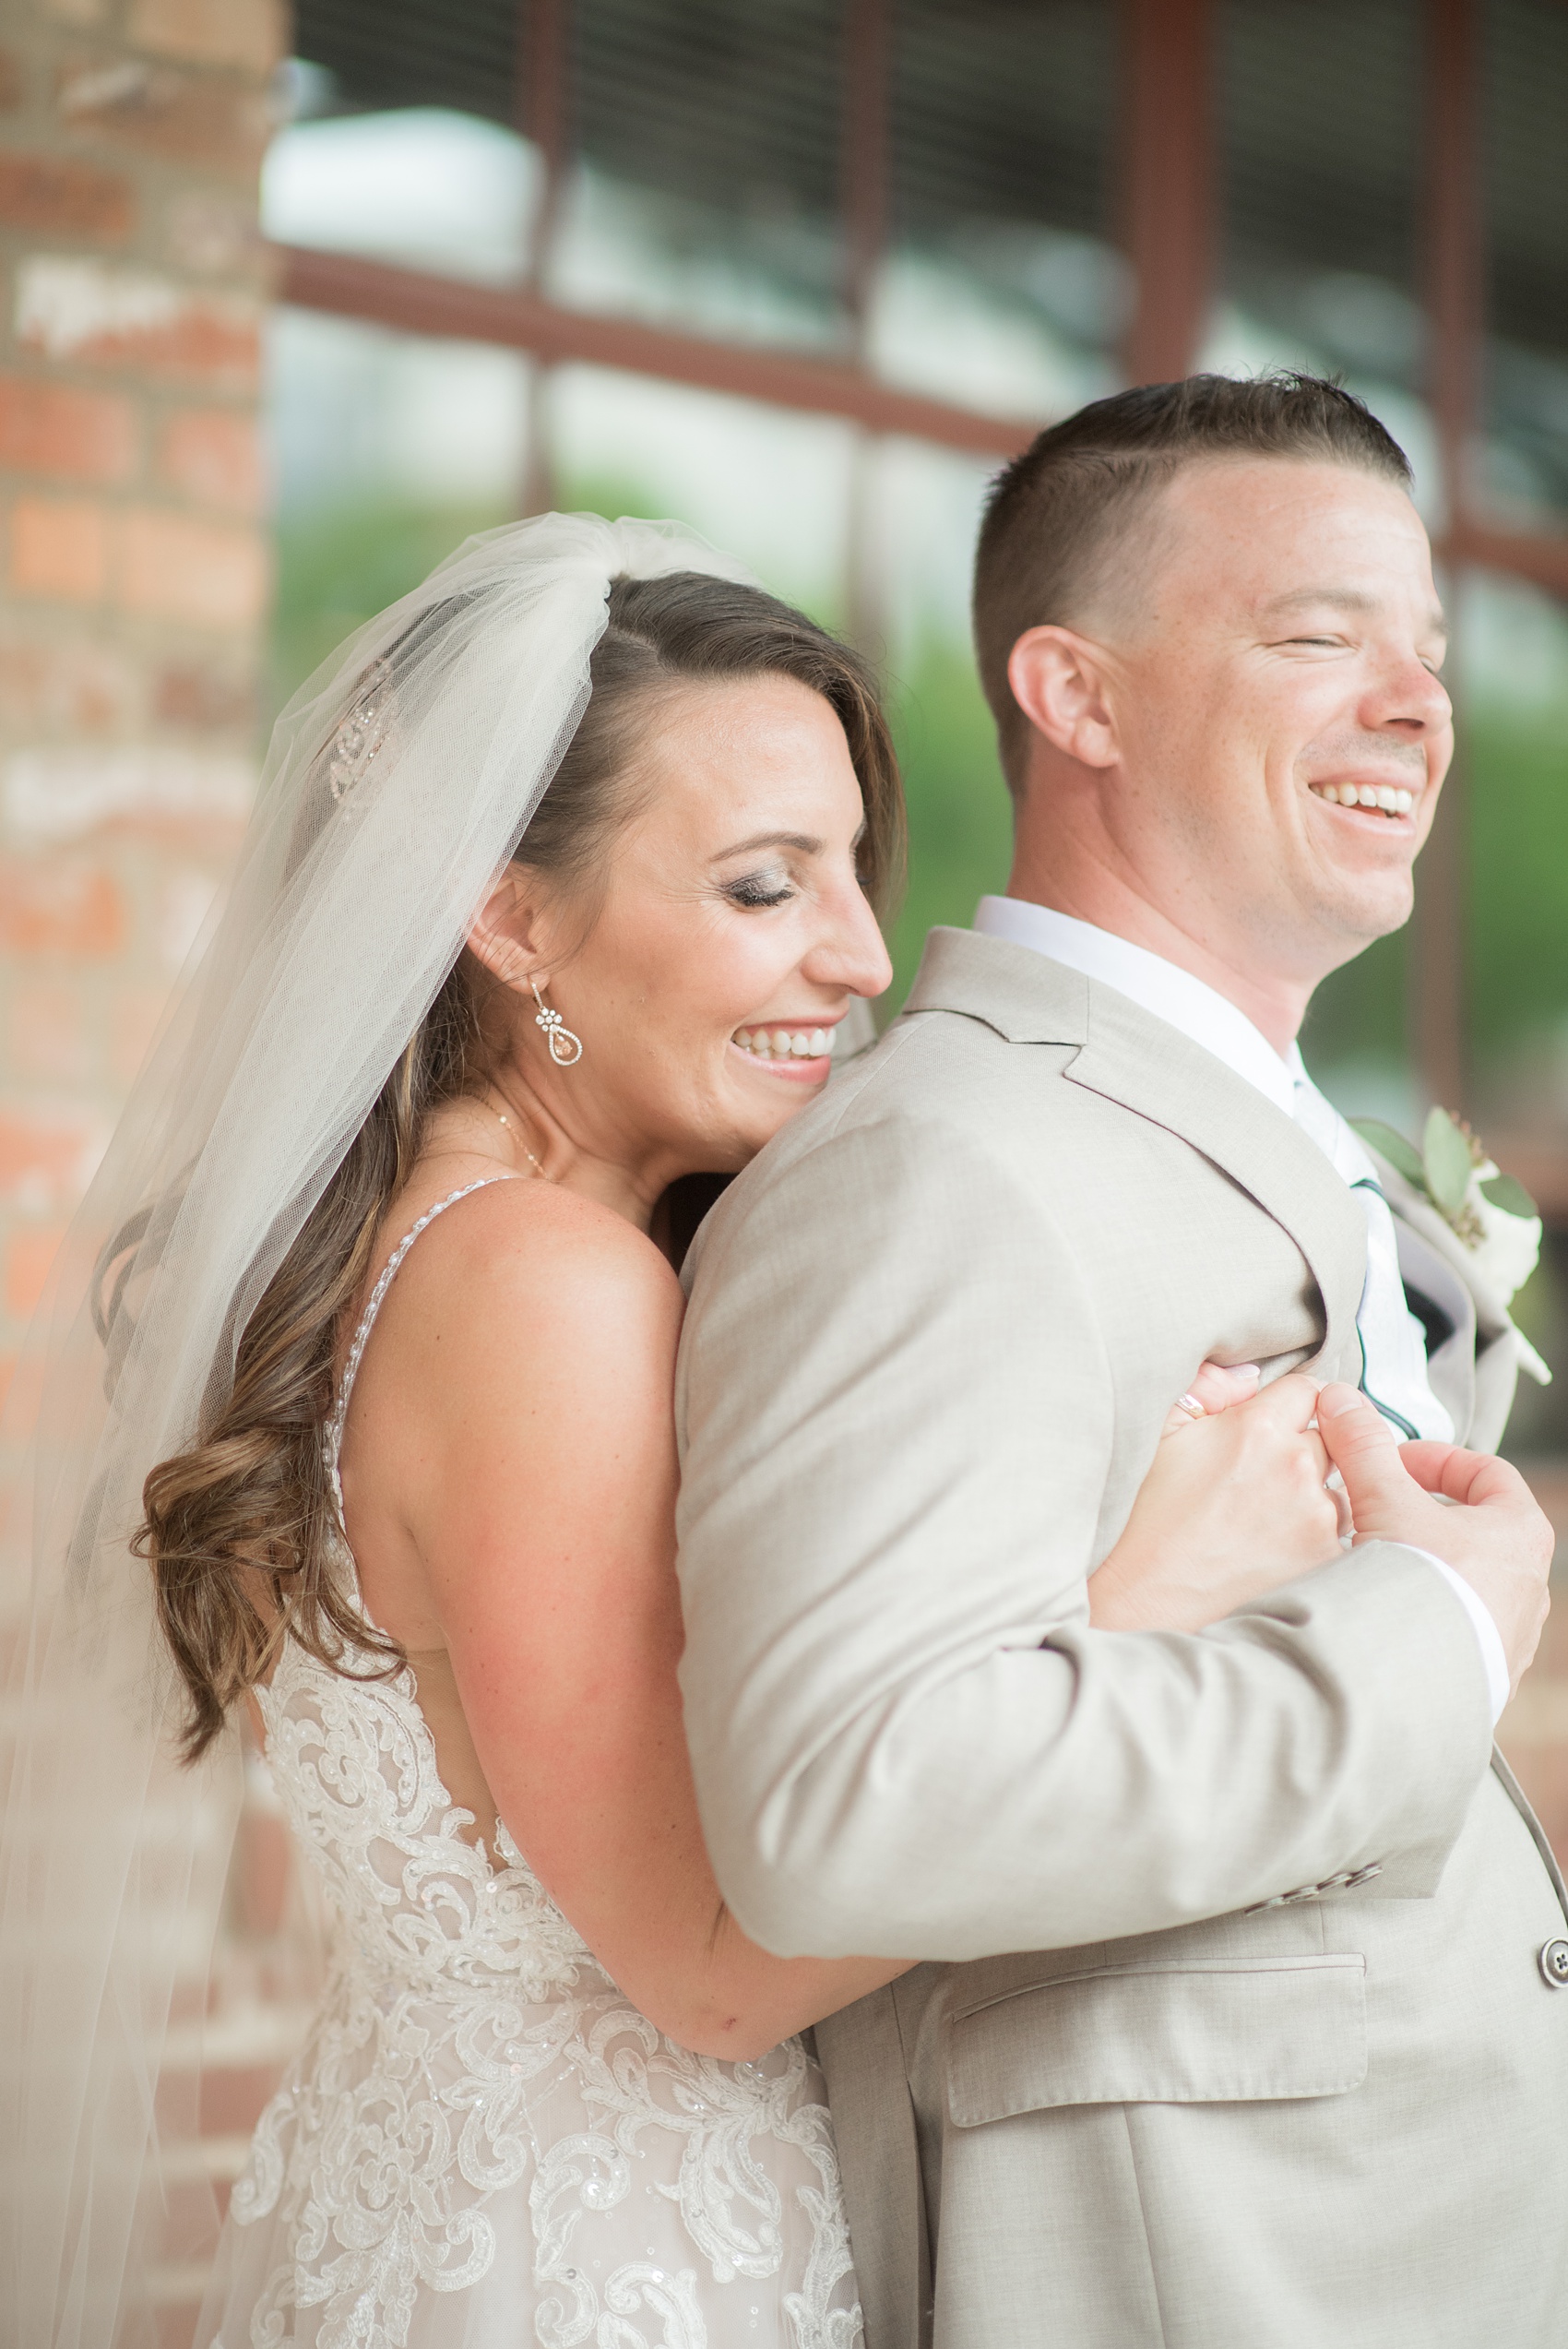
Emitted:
<point x="1285" y="2057"/>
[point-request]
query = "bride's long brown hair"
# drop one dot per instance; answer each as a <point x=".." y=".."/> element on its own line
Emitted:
<point x="238" y="1527"/>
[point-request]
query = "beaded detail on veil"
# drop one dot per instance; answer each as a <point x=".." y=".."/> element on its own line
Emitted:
<point x="482" y="2140"/>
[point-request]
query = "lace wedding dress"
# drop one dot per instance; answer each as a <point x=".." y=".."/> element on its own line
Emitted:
<point x="483" y="2143"/>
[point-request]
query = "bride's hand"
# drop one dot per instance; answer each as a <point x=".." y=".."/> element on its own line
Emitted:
<point x="1233" y="1505"/>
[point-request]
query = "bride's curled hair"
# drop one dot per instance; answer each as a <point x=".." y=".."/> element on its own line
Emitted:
<point x="239" y="1527"/>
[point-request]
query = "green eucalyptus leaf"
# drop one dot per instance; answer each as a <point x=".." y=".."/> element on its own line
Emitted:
<point x="1510" y="1195"/>
<point x="1446" y="1156"/>
<point x="1402" y="1156"/>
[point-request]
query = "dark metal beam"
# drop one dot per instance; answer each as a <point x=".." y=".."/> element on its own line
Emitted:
<point x="1167" y="173"/>
<point x="417" y="303"/>
<point x="1541" y="560"/>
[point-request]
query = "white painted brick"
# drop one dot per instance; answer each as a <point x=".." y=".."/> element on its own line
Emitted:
<point x="63" y="303"/>
<point x="61" y="792"/>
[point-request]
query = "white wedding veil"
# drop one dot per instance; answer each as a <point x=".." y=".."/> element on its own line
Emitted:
<point x="399" y="780"/>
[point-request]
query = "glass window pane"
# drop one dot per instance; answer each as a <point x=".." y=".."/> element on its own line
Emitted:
<point x="703" y="182"/>
<point x="422" y="187"/>
<point x="382" y="53"/>
<point x="386" y="450"/>
<point x="1002" y="289"/>
<point x="707" y="139"/>
<point x="1319" y="109"/>
<point x="1523" y="460"/>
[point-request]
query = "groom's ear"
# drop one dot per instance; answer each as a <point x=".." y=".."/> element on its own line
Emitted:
<point x="1061" y="682"/>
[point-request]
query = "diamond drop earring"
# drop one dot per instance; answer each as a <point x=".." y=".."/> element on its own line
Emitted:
<point x="564" y="1048"/>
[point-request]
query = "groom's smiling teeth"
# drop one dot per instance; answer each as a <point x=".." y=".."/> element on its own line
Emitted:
<point x="1381" y="798"/>
<point x="785" y="1043"/>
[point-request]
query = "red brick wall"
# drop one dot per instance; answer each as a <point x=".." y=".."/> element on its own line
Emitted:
<point x="132" y="558"/>
<point x="133" y="581"/>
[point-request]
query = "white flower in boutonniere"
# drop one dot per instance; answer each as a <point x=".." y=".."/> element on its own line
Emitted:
<point x="1492" y="1216"/>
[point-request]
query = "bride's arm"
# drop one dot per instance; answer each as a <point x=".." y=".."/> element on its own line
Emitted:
<point x="541" y="1504"/>
<point x="1233" y="1505"/>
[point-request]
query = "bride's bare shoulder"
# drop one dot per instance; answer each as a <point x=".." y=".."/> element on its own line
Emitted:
<point x="527" y="1254"/>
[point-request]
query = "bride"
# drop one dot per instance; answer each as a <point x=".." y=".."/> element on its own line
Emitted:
<point x="561" y="889"/>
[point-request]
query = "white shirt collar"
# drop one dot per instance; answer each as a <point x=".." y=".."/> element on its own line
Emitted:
<point x="1157" y="986"/>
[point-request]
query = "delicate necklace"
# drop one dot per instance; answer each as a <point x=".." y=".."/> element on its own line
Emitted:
<point x="522" y="1145"/>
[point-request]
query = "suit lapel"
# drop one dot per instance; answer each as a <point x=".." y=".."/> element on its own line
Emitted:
<point x="1151" y="1069"/>
<point x="1129" y="1056"/>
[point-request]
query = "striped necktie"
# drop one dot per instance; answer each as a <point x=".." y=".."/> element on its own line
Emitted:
<point x="1394" y="1355"/>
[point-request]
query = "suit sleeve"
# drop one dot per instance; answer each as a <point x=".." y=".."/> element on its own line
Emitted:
<point x="896" y="1420"/>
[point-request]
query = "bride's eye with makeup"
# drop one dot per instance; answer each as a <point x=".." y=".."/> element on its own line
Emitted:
<point x="754" y="889"/>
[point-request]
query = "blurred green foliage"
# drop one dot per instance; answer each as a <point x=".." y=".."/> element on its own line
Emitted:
<point x="1359" y="1012"/>
<point x="1517" y="771"/>
<point x="1514" y="774"/>
<point x="338" y="565"/>
<point x="961" y="818"/>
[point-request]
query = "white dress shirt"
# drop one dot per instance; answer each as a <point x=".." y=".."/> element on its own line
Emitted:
<point x="1393" y="1344"/>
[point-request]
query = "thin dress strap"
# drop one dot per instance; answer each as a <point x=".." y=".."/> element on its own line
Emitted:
<point x="332" y="1434"/>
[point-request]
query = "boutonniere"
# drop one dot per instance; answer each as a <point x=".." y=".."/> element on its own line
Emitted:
<point x="1490" y="1213"/>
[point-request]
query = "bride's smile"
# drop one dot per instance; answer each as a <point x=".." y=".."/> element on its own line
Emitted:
<point x="800" y="1053"/>
<point x="706" y="957"/>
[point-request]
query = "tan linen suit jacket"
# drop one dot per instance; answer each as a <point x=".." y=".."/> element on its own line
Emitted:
<point x="1278" y="2063"/>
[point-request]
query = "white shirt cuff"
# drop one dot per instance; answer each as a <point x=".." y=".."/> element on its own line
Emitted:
<point x="1487" y="1633"/>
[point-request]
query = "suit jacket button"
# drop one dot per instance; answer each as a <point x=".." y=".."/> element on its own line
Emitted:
<point x="1553" y="1964"/>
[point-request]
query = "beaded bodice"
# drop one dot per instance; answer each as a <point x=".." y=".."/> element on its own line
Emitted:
<point x="356" y="1771"/>
<point x="415" y="1898"/>
<point x="418" y="1898"/>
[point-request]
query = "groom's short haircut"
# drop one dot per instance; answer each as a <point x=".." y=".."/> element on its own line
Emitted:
<point x="1061" y="516"/>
